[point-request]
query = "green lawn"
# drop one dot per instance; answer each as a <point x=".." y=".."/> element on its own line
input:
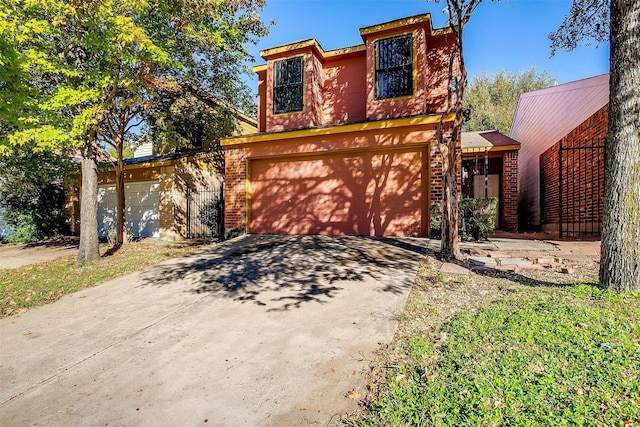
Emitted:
<point x="45" y="282"/>
<point x="549" y="356"/>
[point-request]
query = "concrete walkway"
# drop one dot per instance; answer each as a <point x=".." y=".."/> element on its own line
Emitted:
<point x="508" y="254"/>
<point x="259" y="331"/>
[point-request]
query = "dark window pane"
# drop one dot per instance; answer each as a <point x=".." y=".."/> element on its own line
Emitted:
<point x="287" y="85"/>
<point x="394" y="67"/>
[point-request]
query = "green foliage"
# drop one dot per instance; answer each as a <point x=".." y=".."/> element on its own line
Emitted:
<point x="86" y="72"/>
<point x="587" y="22"/>
<point x="547" y="358"/>
<point x="98" y="66"/>
<point x="22" y="226"/>
<point x="185" y="122"/>
<point x="477" y="217"/>
<point x="211" y="215"/>
<point x="127" y="151"/>
<point x="31" y="193"/>
<point x="435" y="222"/>
<point x="492" y="99"/>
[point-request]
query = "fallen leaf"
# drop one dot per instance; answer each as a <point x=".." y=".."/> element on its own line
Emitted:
<point x="353" y="394"/>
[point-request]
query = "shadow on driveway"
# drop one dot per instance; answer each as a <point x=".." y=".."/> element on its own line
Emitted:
<point x="283" y="272"/>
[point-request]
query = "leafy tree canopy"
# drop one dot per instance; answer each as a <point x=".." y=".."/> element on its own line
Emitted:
<point x="587" y="22"/>
<point x="79" y="61"/>
<point x="493" y="98"/>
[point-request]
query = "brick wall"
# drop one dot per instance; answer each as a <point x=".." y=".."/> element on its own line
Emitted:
<point x="436" y="188"/>
<point x="235" y="195"/>
<point x="509" y="194"/>
<point x="549" y="176"/>
<point x="583" y="176"/>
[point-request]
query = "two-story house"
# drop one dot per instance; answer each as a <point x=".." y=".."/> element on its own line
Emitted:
<point x="346" y="138"/>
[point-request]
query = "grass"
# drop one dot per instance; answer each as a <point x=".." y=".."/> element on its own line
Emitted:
<point x="46" y="282"/>
<point x="544" y="356"/>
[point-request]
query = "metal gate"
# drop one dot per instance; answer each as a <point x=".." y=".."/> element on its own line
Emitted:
<point x="205" y="213"/>
<point x="581" y="188"/>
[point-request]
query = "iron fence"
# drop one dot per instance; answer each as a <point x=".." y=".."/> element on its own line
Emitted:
<point x="205" y="213"/>
<point x="581" y="188"/>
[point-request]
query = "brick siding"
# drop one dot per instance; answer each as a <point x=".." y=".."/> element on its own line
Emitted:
<point x="235" y="195"/>
<point x="509" y="194"/>
<point x="583" y="175"/>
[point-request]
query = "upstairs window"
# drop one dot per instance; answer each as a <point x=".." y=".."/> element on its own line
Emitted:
<point x="394" y="67"/>
<point x="287" y="85"/>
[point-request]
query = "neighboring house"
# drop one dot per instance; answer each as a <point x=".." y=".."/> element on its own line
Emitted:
<point x="490" y="169"/>
<point x="561" y="174"/>
<point x="346" y="141"/>
<point x="162" y="193"/>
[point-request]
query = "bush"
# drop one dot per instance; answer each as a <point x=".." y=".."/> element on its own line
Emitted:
<point x="435" y="222"/>
<point x="23" y="229"/>
<point x="211" y="215"/>
<point x="476" y="218"/>
<point x="31" y="193"/>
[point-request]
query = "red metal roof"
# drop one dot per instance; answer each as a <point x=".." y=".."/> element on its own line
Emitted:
<point x="486" y="139"/>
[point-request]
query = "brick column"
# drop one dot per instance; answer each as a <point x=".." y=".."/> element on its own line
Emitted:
<point x="435" y="186"/>
<point x="510" y="191"/>
<point x="235" y="189"/>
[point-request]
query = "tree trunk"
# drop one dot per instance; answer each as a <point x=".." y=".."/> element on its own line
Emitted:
<point x="449" y="244"/>
<point x="121" y="224"/>
<point x="449" y="247"/>
<point x="620" y="250"/>
<point x="89" y="250"/>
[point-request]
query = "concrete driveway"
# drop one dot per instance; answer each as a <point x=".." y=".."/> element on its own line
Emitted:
<point x="259" y="331"/>
<point x="19" y="255"/>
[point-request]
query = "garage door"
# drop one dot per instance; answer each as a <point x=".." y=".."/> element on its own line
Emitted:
<point x="367" y="193"/>
<point x="142" y="208"/>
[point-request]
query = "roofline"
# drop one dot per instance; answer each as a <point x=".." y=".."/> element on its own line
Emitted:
<point x="598" y="80"/>
<point x="396" y="23"/>
<point x="431" y="119"/>
<point x="511" y="147"/>
<point x="404" y="22"/>
<point x="306" y="44"/>
<point x="576" y="84"/>
<point x="385" y="26"/>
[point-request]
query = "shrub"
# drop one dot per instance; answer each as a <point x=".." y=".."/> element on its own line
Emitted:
<point x="24" y="229"/>
<point x="31" y="193"/>
<point x="435" y="222"/>
<point x="477" y="217"/>
<point x="211" y="215"/>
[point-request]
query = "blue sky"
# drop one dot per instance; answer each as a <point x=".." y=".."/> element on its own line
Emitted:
<point x="507" y="35"/>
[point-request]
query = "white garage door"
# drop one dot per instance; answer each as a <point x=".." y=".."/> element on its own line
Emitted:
<point x="141" y="206"/>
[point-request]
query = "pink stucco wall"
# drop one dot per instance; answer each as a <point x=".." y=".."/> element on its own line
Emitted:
<point x="310" y="116"/>
<point x="345" y="97"/>
<point x="339" y="87"/>
<point x="405" y="106"/>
